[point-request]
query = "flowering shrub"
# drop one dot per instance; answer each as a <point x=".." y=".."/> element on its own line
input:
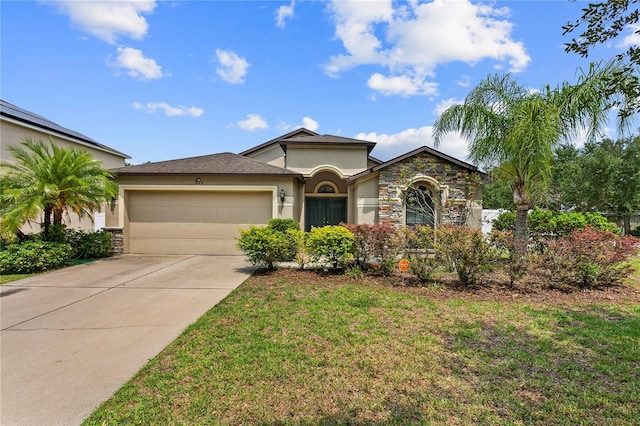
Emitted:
<point x="588" y="258"/>
<point x="514" y="263"/>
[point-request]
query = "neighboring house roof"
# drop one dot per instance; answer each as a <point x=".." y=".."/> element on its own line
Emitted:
<point x="375" y="160"/>
<point x="422" y="149"/>
<point x="225" y="163"/>
<point x="297" y="132"/>
<point x="326" y="140"/>
<point x="17" y="114"/>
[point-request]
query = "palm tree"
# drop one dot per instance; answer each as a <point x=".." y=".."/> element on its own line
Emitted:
<point x="513" y="130"/>
<point x="51" y="180"/>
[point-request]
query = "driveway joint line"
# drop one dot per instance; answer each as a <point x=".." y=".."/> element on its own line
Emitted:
<point x="92" y="295"/>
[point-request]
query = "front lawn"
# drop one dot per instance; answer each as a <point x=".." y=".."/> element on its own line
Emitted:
<point x="293" y="348"/>
<point x="13" y="277"/>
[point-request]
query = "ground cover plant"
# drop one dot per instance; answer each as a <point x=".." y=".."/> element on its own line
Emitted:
<point x="296" y="347"/>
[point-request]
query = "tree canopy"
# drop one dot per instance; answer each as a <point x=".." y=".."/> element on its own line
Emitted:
<point x="600" y="23"/>
<point x="513" y="130"/>
<point x="51" y="180"/>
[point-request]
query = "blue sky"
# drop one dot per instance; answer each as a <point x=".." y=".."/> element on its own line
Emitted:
<point x="174" y="79"/>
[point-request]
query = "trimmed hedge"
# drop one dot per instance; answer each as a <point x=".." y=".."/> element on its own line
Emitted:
<point x="33" y="256"/>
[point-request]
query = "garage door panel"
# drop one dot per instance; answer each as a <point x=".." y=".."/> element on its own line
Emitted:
<point x="204" y="222"/>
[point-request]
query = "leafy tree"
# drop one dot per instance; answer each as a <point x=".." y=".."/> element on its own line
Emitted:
<point x="497" y="195"/>
<point x="52" y="180"/>
<point x="601" y="22"/>
<point x="514" y="130"/>
<point x="605" y="177"/>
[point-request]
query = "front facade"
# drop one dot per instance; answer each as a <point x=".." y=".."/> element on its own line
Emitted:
<point x="16" y="124"/>
<point x="198" y="205"/>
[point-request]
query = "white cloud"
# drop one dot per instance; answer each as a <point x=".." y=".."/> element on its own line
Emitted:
<point x="631" y="39"/>
<point x="307" y="122"/>
<point x="391" y="145"/>
<point x="283" y="13"/>
<point x="108" y="20"/>
<point x="444" y="104"/>
<point x="401" y="85"/>
<point x="464" y="81"/>
<point x="171" y="111"/>
<point x="253" y="122"/>
<point x="137" y="65"/>
<point x="232" y="68"/>
<point x="310" y="124"/>
<point x="411" y="39"/>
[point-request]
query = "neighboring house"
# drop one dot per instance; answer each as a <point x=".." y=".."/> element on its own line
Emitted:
<point x="17" y="123"/>
<point x="197" y="205"/>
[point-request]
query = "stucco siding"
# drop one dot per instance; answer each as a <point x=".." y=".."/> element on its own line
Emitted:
<point x="309" y="160"/>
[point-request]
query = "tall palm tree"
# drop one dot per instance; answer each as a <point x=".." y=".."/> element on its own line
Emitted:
<point x="513" y="130"/>
<point x="51" y="180"/>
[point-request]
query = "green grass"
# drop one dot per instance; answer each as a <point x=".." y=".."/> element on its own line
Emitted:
<point x="291" y="348"/>
<point x="13" y="277"/>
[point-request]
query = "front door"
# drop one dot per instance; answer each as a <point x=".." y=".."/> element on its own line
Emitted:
<point x="323" y="211"/>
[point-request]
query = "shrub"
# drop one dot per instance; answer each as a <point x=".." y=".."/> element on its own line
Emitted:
<point x="418" y="244"/>
<point x="515" y="264"/>
<point x="376" y="246"/>
<point x="96" y="245"/>
<point x="464" y="250"/>
<point x="283" y="225"/>
<point x="33" y="256"/>
<point x="297" y="238"/>
<point x="88" y="245"/>
<point x="636" y="231"/>
<point x="264" y="246"/>
<point x="505" y="221"/>
<point x="331" y="244"/>
<point x="588" y="258"/>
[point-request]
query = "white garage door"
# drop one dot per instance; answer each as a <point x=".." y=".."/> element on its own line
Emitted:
<point x="200" y="222"/>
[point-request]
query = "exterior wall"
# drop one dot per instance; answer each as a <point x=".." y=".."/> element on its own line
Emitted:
<point x="458" y="197"/>
<point x="312" y="158"/>
<point x="12" y="134"/>
<point x="271" y="154"/>
<point x="364" y="200"/>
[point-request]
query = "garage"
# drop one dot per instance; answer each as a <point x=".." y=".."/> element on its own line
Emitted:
<point x="193" y="222"/>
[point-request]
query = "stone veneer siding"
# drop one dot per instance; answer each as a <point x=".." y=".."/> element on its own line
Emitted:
<point x="451" y="204"/>
<point x="117" y="240"/>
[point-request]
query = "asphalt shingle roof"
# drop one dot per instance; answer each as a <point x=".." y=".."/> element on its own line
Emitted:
<point x="19" y="114"/>
<point x="225" y="163"/>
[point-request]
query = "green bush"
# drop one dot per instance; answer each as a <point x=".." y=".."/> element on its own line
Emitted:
<point x="33" y="256"/>
<point x="264" y="246"/>
<point x="636" y="231"/>
<point x="334" y="245"/>
<point x="505" y="221"/>
<point x="514" y="263"/>
<point x="283" y="225"/>
<point x="96" y="245"/>
<point x="465" y="251"/>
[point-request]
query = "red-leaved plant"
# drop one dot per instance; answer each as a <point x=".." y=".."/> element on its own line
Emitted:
<point x="588" y="258"/>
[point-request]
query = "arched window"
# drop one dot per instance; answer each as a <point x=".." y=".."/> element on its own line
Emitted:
<point x="326" y="189"/>
<point x="420" y="208"/>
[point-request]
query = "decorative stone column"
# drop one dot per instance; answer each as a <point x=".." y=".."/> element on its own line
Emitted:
<point x="117" y="240"/>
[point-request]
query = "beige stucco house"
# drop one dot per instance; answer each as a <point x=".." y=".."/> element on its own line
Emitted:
<point x="17" y="123"/>
<point x="197" y="205"/>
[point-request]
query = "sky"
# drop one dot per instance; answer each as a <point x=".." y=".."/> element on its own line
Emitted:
<point x="161" y="80"/>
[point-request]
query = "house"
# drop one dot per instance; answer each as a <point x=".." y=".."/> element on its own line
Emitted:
<point x="17" y="123"/>
<point x="197" y="205"/>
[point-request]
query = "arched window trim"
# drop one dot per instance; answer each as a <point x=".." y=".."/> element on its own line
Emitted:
<point x="434" y="190"/>
<point x="323" y="183"/>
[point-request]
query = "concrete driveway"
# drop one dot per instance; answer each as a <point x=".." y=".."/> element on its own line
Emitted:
<point x="70" y="338"/>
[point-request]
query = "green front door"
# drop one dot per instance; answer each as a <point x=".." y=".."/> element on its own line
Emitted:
<point x="323" y="211"/>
